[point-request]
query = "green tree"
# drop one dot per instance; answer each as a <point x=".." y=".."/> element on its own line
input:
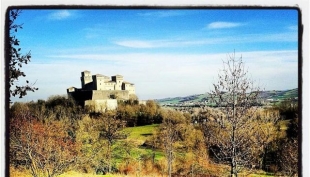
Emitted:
<point x="266" y="132"/>
<point x="93" y="148"/>
<point x="15" y="59"/>
<point x="128" y="112"/>
<point x="149" y="113"/>
<point x="110" y="130"/>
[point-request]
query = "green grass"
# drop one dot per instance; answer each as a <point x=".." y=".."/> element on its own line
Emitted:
<point x="140" y="133"/>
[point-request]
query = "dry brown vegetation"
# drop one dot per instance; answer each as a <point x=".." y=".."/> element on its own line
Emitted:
<point x="66" y="137"/>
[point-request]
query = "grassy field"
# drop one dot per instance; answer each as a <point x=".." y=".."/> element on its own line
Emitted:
<point x="140" y="133"/>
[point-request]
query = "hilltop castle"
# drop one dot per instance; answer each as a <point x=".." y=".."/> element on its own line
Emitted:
<point x="100" y="89"/>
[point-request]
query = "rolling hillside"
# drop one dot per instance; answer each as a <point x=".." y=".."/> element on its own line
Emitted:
<point x="276" y="95"/>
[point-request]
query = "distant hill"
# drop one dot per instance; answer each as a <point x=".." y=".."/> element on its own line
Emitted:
<point x="276" y="95"/>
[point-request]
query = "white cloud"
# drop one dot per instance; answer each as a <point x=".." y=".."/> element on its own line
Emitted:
<point x="164" y="75"/>
<point x="138" y="44"/>
<point x="60" y="15"/>
<point x="162" y="43"/>
<point x="217" y="25"/>
<point x="250" y="38"/>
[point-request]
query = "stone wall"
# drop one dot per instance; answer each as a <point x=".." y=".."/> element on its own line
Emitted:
<point x="108" y="94"/>
<point x="101" y="105"/>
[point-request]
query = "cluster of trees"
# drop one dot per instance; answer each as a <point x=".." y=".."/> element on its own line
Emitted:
<point x="136" y="114"/>
<point x="53" y="136"/>
<point x="89" y="138"/>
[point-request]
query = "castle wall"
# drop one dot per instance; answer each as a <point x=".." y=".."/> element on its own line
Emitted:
<point x="130" y="88"/>
<point x="106" y="94"/>
<point x="109" y="86"/>
<point x="101" y="105"/>
<point x="101" y="82"/>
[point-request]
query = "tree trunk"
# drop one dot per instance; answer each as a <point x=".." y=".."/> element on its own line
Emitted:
<point x="109" y="157"/>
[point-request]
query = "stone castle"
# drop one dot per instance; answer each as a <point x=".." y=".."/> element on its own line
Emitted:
<point x="99" y="90"/>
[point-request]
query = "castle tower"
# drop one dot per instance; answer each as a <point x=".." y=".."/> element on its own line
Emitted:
<point x="118" y="79"/>
<point x="99" y="82"/>
<point x="129" y="87"/>
<point x="86" y="80"/>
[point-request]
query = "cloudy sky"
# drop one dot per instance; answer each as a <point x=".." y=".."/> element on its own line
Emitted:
<point x="165" y="53"/>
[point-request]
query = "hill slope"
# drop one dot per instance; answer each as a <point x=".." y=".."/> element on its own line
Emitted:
<point x="200" y="98"/>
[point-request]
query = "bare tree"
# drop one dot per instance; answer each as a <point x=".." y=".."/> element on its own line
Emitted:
<point x="231" y="131"/>
<point x="169" y="138"/>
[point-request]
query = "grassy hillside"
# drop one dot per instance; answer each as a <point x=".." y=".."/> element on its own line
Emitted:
<point x="140" y="133"/>
<point x="198" y="98"/>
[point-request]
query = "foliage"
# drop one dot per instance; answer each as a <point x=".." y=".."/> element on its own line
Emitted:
<point x="102" y="144"/>
<point x="98" y="135"/>
<point x="288" y="157"/>
<point x="128" y="111"/>
<point x="57" y="108"/>
<point x="179" y="140"/>
<point x="288" y="151"/>
<point x="149" y="113"/>
<point x="111" y="131"/>
<point x="16" y="59"/>
<point x="288" y="109"/>
<point x="93" y="147"/>
<point x="139" y="114"/>
<point x="46" y="148"/>
<point x="266" y="132"/>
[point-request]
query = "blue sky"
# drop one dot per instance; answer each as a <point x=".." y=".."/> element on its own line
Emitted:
<point x="165" y="53"/>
